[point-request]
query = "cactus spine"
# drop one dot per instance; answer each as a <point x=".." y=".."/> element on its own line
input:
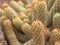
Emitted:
<point x="2" y="39"/>
<point x="40" y="10"/>
<point x="38" y="33"/>
<point x="54" y="9"/>
<point x="18" y="9"/>
<point x="21" y="3"/>
<point x="24" y="17"/>
<point x="9" y="12"/>
<point x="26" y="28"/>
<point x="56" y="20"/>
<point x="17" y="22"/>
<point x="10" y="33"/>
<point x="54" y="36"/>
<point x="21" y="36"/>
<point x="50" y="4"/>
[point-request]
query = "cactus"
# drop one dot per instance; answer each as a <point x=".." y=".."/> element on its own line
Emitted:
<point x="38" y="33"/>
<point x="10" y="33"/>
<point x="57" y="42"/>
<point x="30" y="42"/>
<point x="25" y="1"/>
<point x="2" y="18"/>
<point x="18" y="9"/>
<point x="56" y="20"/>
<point x="30" y="13"/>
<point x="50" y="4"/>
<point x="21" y="3"/>
<point x="17" y="22"/>
<point x="24" y="17"/>
<point x="21" y="36"/>
<point x="40" y="10"/>
<point x="54" y="36"/>
<point x="1" y="12"/>
<point x="9" y="12"/>
<point x="26" y="28"/>
<point x="54" y="9"/>
<point x="2" y="39"/>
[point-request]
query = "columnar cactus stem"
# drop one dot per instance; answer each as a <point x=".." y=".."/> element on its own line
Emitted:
<point x="18" y="9"/>
<point x="10" y="33"/>
<point x="30" y="42"/>
<point x="25" y="1"/>
<point x="26" y="28"/>
<point x="9" y="12"/>
<point x="21" y="36"/>
<point x="50" y="4"/>
<point x="30" y="13"/>
<point x="56" y="20"/>
<point x="55" y="8"/>
<point x="38" y="33"/>
<point x="21" y="3"/>
<point x="24" y="17"/>
<point x="2" y="18"/>
<point x="17" y="22"/>
<point x="2" y="39"/>
<point x="1" y="12"/>
<point x="54" y="36"/>
<point x="40" y="10"/>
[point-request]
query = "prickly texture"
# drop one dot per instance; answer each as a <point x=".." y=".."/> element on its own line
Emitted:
<point x="1" y="12"/>
<point x="30" y="42"/>
<point x="24" y="17"/>
<point x="18" y="9"/>
<point x="40" y="10"/>
<point x="12" y="39"/>
<point x="21" y="36"/>
<point x="17" y="22"/>
<point x="38" y="33"/>
<point x="54" y="36"/>
<point x="30" y="13"/>
<point x="2" y="39"/>
<point x="55" y="8"/>
<point x="50" y="4"/>
<point x="9" y="12"/>
<point x="2" y="18"/>
<point x="57" y="42"/>
<point x="25" y="1"/>
<point x="21" y="3"/>
<point x="26" y="28"/>
<point x="56" y="20"/>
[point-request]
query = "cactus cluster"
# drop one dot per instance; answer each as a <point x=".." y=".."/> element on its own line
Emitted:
<point x="30" y="22"/>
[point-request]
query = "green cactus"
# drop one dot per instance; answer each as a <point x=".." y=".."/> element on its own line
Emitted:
<point x="24" y="17"/>
<point x="25" y="1"/>
<point x="1" y="12"/>
<point x="21" y="3"/>
<point x="56" y="20"/>
<point x="10" y="33"/>
<point x="18" y="9"/>
<point x="17" y="22"/>
<point x="26" y="28"/>
<point x="55" y="8"/>
<point x="9" y="12"/>
<point x="54" y="36"/>
<point x="2" y="18"/>
<point x="21" y="36"/>
<point x="30" y="13"/>
<point x="30" y="42"/>
<point x="50" y="4"/>
<point x="2" y="39"/>
<point x="40" y="10"/>
<point x="38" y="33"/>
